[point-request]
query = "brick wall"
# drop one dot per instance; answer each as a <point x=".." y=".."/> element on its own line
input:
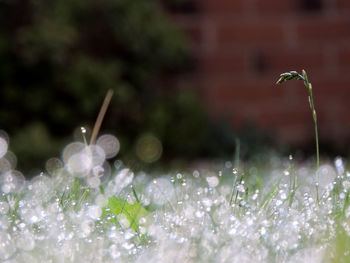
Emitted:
<point x="242" y="46"/>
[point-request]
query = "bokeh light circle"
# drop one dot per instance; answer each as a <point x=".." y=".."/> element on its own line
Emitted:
<point x="53" y="164"/>
<point x="149" y="148"/>
<point x="79" y="164"/>
<point x="12" y="181"/>
<point x="110" y="145"/>
<point x="11" y="158"/>
<point x="3" y="147"/>
<point x="5" y="165"/>
<point x="71" y="149"/>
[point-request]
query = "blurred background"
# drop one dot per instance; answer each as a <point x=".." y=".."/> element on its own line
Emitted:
<point x="191" y="78"/>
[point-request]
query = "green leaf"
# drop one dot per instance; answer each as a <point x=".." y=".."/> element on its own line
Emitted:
<point x="133" y="212"/>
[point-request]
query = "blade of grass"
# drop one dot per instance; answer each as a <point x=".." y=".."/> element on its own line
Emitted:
<point x="271" y="194"/>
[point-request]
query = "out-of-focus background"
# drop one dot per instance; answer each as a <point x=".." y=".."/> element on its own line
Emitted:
<point x="191" y="78"/>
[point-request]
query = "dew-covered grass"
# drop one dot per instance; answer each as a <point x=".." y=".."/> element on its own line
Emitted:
<point x="86" y="209"/>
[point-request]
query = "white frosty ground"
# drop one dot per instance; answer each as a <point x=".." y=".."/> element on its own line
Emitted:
<point x="58" y="217"/>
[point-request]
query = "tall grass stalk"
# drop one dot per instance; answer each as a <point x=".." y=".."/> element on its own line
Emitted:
<point x="295" y="75"/>
<point x="303" y="76"/>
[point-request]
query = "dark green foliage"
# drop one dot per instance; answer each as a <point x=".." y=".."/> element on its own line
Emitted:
<point x="58" y="59"/>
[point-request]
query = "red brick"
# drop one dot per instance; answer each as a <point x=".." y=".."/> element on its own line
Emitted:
<point x="344" y="56"/>
<point x="275" y="7"/>
<point x="285" y="59"/>
<point x="343" y="5"/>
<point x="285" y="117"/>
<point x="321" y="29"/>
<point x="220" y="7"/>
<point x="228" y="92"/>
<point x="330" y="88"/>
<point x="232" y="63"/>
<point x="249" y="32"/>
<point x="242" y="59"/>
<point x="344" y="116"/>
<point x="295" y="134"/>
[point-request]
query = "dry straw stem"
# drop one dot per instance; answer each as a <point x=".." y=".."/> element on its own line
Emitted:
<point x="101" y="116"/>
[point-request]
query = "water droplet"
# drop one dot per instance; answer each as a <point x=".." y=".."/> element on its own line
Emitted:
<point x="12" y="181"/>
<point x="199" y="214"/>
<point x="142" y="221"/>
<point x="207" y="202"/>
<point x="94" y="212"/>
<point x="346" y="185"/>
<point x="26" y="241"/>
<point x="79" y="164"/>
<point x="342" y="195"/>
<point x="325" y="174"/>
<point x="93" y="181"/>
<point x="283" y="196"/>
<point x="114" y="251"/>
<point x="228" y="164"/>
<point x="195" y="174"/>
<point x="118" y="164"/>
<point x="123" y="221"/>
<point x="98" y="171"/>
<point x="232" y="231"/>
<point x="60" y="217"/>
<point x="41" y="187"/>
<point x="4" y="207"/>
<point x="262" y="231"/>
<point x="129" y="233"/>
<point x="339" y="165"/>
<point x="7" y="247"/>
<point x="213" y="181"/>
<point x="128" y="245"/>
<point x="101" y="201"/>
<point x="240" y="188"/>
<point x="124" y="178"/>
<point x="160" y="192"/>
<point x="4" y="223"/>
<point x="86" y="227"/>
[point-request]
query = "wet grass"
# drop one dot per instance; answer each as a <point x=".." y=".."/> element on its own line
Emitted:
<point x="85" y="209"/>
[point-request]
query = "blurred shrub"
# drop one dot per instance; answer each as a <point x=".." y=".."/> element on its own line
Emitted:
<point x="58" y="59"/>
